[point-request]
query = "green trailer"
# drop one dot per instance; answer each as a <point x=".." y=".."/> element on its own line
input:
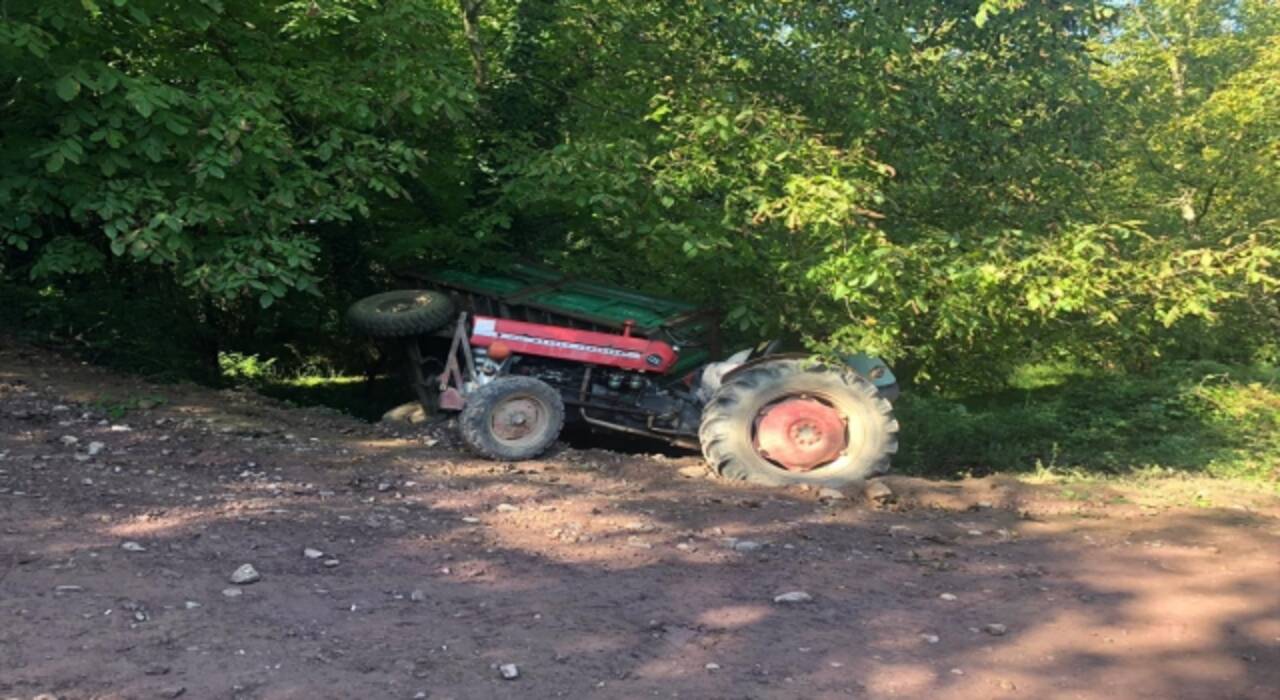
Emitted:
<point x="539" y="295"/>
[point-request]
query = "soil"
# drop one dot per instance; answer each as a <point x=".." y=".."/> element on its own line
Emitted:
<point x="597" y="574"/>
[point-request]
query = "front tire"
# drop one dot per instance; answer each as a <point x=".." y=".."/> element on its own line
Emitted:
<point x="512" y="418"/>
<point x="798" y="422"/>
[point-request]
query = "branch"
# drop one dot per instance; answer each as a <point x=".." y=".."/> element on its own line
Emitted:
<point x="470" y="19"/>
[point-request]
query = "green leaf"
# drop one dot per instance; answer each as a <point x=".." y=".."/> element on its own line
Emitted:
<point x="266" y="299"/>
<point x="67" y="88"/>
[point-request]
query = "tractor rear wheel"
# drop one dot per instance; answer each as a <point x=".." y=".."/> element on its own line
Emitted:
<point x="400" y="314"/>
<point x="798" y="421"/>
<point x="512" y="418"/>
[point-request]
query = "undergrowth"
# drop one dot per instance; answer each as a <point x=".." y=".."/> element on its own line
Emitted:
<point x="1187" y="417"/>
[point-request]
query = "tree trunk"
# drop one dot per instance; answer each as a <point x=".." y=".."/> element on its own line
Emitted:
<point x="470" y="18"/>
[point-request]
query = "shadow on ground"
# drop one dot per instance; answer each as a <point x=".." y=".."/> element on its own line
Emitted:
<point x="597" y="574"/>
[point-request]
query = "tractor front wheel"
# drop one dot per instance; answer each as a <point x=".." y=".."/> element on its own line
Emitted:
<point x="512" y="418"/>
<point x="798" y="421"/>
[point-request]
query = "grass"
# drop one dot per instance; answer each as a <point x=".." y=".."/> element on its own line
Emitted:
<point x="1057" y="424"/>
<point x="1061" y="421"/>
<point x="347" y="393"/>
<point x="316" y="385"/>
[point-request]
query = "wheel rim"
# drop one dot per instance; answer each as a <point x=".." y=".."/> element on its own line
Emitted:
<point x="401" y="305"/>
<point x="800" y="433"/>
<point x="519" y="420"/>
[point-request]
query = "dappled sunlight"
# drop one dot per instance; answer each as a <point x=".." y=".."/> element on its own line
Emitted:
<point x="906" y="680"/>
<point x="170" y="524"/>
<point x="734" y="616"/>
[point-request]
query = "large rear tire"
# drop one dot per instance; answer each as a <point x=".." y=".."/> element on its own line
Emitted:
<point x="798" y="421"/>
<point x="400" y="314"/>
<point x="512" y="418"/>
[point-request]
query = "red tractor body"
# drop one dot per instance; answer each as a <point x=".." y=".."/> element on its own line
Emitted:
<point x="574" y="345"/>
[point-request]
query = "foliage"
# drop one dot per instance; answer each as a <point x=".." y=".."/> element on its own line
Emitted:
<point x="962" y="187"/>
<point x="915" y="180"/>
<point x="1196" y="417"/>
<point x="240" y="367"/>
<point x="211" y="138"/>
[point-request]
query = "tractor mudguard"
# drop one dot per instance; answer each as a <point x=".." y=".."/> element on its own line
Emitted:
<point x="872" y="368"/>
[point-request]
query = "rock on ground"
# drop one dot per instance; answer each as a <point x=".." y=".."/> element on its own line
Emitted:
<point x="245" y="574"/>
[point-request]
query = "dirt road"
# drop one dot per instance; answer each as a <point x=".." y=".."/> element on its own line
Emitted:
<point x="596" y="574"/>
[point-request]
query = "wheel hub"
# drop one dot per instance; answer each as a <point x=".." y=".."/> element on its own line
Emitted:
<point x="516" y="418"/>
<point x="800" y="433"/>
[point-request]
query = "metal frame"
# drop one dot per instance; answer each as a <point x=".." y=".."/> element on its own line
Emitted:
<point x="452" y="385"/>
<point x="459" y="369"/>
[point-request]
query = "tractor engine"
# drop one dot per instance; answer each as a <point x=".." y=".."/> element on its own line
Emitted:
<point x="608" y="380"/>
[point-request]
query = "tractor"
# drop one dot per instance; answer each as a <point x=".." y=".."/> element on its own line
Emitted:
<point x="519" y="353"/>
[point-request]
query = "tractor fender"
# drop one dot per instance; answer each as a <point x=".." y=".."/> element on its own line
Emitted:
<point x="761" y="360"/>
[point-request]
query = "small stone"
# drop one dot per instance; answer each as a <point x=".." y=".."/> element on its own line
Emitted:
<point x="232" y="592"/>
<point x="132" y="547"/>
<point x="471" y="520"/>
<point x="948" y="596"/>
<point x="957" y="672"/>
<point x="68" y="440"/>
<point x="68" y="589"/>
<point x="930" y="638"/>
<point x="384" y="487"/>
<point x="173" y="691"/>
<point x="1006" y="684"/>
<point x="793" y="597"/>
<point x="331" y="563"/>
<point x="192" y="605"/>
<point x="509" y="672"/>
<point x="95" y="448"/>
<point x="745" y="546"/>
<point x="312" y="553"/>
<point x="246" y="574"/>
<point x="506" y="508"/>
<point x="712" y="666"/>
<point x="879" y="492"/>
<point x="830" y="494"/>
<point x="995" y="630"/>
<point x="418" y="595"/>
